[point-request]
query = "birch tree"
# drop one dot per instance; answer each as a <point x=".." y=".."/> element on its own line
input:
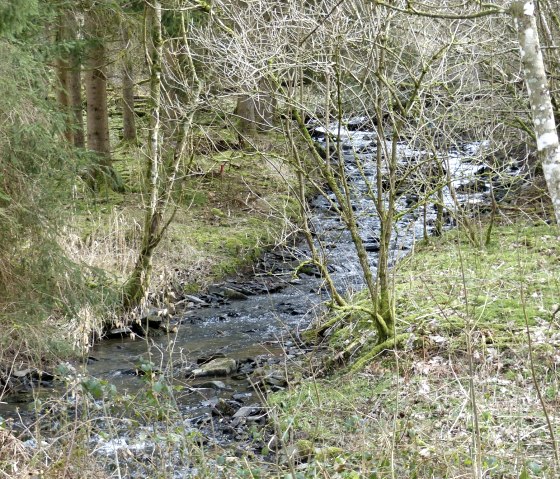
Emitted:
<point x="523" y="13"/>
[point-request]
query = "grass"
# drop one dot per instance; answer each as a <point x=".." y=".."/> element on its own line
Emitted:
<point x="408" y="413"/>
<point x="232" y="205"/>
<point x="483" y="284"/>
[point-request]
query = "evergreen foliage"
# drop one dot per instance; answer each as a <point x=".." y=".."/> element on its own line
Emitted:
<point x="37" y="170"/>
<point x="15" y="15"/>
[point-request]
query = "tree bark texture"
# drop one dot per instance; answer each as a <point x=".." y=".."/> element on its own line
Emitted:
<point x="75" y="92"/>
<point x="245" y="111"/>
<point x="523" y="13"/>
<point x="96" y="91"/>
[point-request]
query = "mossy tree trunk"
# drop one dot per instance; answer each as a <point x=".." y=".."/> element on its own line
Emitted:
<point x="139" y="282"/>
<point x="382" y="298"/>
<point x="161" y="174"/>
<point x="129" y="119"/>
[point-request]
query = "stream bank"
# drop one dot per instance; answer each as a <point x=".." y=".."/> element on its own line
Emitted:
<point x="248" y="331"/>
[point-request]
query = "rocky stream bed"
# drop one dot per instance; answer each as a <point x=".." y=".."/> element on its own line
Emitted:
<point x="223" y="351"/>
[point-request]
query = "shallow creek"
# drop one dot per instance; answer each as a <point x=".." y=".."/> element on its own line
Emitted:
<point x="262" y="329"/>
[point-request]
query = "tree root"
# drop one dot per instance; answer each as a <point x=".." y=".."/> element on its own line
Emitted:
<point x="388" y="344"/>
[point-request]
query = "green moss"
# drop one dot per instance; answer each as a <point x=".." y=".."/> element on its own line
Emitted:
<point x="487" y="286"/>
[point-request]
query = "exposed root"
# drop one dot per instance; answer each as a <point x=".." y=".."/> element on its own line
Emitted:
<point x="388" y="344"/>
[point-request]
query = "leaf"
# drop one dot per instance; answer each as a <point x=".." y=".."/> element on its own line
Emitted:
<point x="534" y="467"/>
<point x="4" y="196"/>
<point x="158" y="387"/>
<point x="524" y="474"/>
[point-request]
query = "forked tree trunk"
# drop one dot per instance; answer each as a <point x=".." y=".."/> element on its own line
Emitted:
<point x="138" y="284"/>
<point x="539" y="97"/>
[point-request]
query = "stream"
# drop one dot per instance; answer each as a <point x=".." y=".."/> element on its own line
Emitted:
<point x="256" y="320"/>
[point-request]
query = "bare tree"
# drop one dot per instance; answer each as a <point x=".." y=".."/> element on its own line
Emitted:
<point x="162" y="166"/>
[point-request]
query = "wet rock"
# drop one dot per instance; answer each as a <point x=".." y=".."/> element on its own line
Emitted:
<point x="33" y="375"/>
<point x="215" y="385"/>
<point x="273" y="378"/>
<point x="211" y="402"/>
<point x="246" y="411"/>
<point x="372" y="244"/>
<point x="195" y="300"/>
<point x="169" y="328"/>
<point x="210" y="357"/>
<point x="116" y="333"/>
<point x="207" y="394"/>
<point x="247" y="289"/>
<point x="153" y="317"/>
<point x="360" y="123"/>
<point x="231" y="293"/>
<point x="224" y="408"/>
<point x="241" y="396"/>
<point x="247" y="367"/>
<point x="216" y="367"/>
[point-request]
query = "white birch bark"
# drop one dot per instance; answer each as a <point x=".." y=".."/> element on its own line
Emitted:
<point x="523" y="13"/>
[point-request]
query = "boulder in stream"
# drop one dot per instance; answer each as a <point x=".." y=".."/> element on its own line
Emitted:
<point x="216" y="367"/>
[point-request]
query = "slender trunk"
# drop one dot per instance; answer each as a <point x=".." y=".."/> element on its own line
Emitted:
<point x="245" y="111"/>
<point x="539" y="97"/>
<point x="129" y="120"/>
<point x="139" y="282"/>
<point x="439" y="204"/>
<point x="383" y="299"/>
<point x="96" y="92"/>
